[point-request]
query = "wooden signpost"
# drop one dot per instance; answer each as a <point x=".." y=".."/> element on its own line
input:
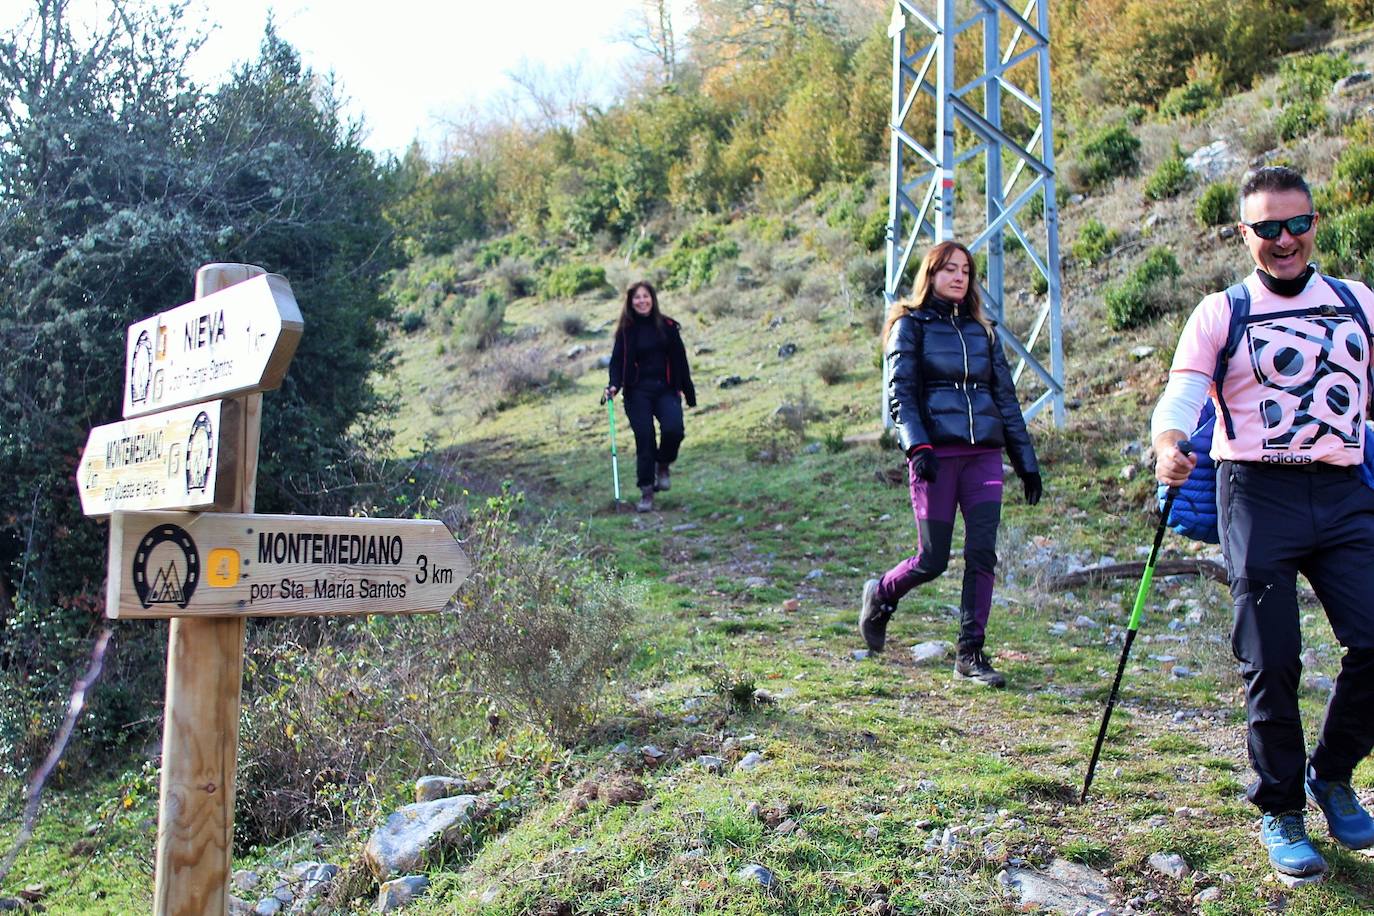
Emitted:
<point x="210" y="572"/>
<point x="278" y="565"/>
<point x="239" y="339"/>
<point x="186" y="458"/>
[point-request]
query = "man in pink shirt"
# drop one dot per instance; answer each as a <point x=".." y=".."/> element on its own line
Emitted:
<point x="1289" y="441"/>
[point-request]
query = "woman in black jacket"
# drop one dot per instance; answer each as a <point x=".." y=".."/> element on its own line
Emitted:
<point x="951" y="398"/>
<point x="649" y="363"/>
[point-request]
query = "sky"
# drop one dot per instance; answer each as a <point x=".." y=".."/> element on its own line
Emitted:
<point x="404" y="64"/>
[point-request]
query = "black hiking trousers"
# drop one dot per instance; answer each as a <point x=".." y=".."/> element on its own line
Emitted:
<point x="1277" y="522"/>
<point x="644" y="402"/>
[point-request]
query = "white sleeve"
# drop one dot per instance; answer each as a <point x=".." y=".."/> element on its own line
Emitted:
<point x="1181" y="402"/>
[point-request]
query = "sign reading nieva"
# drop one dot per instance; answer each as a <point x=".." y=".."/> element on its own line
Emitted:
<point x="223" y="565"/>
<point x="238" y="340"/>
<point x="186" y="458"/>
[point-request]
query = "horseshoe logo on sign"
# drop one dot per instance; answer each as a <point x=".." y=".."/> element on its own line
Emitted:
<point x="176" y="571"/>
<point x="141" y="369"/>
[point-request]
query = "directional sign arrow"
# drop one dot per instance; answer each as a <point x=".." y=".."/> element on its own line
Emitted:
<point x="221" y="565"/>
<point x="186" y="458"/>
<point x="237" y="340"/>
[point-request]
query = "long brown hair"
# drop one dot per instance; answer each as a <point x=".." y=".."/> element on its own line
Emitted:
<point x="924" y="290"/>
<point x="627" y="311"/>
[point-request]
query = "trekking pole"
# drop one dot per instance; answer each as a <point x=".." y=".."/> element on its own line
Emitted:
<point x="1186" y="448"/>
<point x="615" y="462"/>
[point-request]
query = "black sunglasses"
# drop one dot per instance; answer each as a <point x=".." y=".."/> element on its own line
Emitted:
<point x="1270" y="229"/>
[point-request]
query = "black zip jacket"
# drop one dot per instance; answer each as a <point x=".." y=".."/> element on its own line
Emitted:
<point x="949" y="384"/>
<point x="676" y="374"/>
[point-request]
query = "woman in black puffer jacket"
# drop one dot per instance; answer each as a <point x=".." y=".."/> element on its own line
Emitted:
<point x="649" y="363"/>
<point x="951" y="398"/>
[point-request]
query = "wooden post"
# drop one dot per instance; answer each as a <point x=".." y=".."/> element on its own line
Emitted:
<point x="200" y="738"/>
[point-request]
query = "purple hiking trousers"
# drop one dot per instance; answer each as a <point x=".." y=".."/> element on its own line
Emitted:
<point x="969" y="478"/>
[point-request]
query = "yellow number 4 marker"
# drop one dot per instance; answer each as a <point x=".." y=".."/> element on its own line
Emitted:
<point x="223" y="567"/>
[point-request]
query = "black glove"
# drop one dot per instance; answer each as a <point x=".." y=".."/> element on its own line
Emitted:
<point x="925" y="464"/>
<point x="1033" y="486"/>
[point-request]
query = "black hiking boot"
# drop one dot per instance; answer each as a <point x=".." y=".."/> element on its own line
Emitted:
<point x="646" y="500"/>
<point x="970" y="664"/>
<point x="663" y="482"/>
<point x="873" y="617"/>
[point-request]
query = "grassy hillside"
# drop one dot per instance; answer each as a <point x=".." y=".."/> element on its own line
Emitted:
<point x="884" y="786"/>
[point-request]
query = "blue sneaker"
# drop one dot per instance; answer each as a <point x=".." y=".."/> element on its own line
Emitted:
<point x="1290" y="850"/>
<point x="1349" y="824"/>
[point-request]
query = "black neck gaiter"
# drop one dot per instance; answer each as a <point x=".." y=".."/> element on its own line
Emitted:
<point x="1286" y="288"/>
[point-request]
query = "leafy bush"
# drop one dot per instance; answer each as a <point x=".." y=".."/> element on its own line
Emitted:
<point x="770" y="228"/>
<point x="867" y="274"/>
<point x="516" y="245"/>
<point x="1169" y="178"/>
<point x="1347" y="239"/>
<point x="412" y="321"/>
<point x="1110" y="152"/>
<point x="543" y="627"/>
<point x="510" y="375"/>
<point x="480" y="322"/>
<point x="325" y="720"/>
<point x="872" y="233"/>
<point x="832" y="368"/>
<point x="832" y="440"/>
<point x="1310" y="77"/>
<point x="1095" y="241"/>
<point x="569" y="280"/>
<point x="513" y="278"/>
<point x="1300" y="118"/>
<point x="1140" y="296"/>
<point x="1216" y="206"/>
<point x="1354" y="174"/>
<point x="1194" y="96"/>
<point x="790" y="283"/>
<point x="696" y="257"/>
<point x="571" y="323"/>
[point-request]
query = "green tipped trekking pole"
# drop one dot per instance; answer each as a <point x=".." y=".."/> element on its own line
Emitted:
<point x="615" y="462"/>
<point x="1142" y="592"/>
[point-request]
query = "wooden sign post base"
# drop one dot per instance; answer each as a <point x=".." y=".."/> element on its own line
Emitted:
<point x="252" y="565"/>
<point x="200" y="734"/>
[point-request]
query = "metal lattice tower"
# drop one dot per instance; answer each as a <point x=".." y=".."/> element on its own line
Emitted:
<point x="1013" y="80"/>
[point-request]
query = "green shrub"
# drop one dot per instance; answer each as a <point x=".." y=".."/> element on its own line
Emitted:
<point x="542" y="626"/>
<point x="412" y="321"/>
<point x="642" y="247"/>
<point x="1197" y="95"/>
<point x="517" y="245"/>
<point x="1139" y="297"/>
<point x="1347" y="240"/>
<point x="1039" y="284"/>
<point x="1298" y="119"/>
<point x="570" y="323"/>
<point x="867" y="274"/>
<point x="1216" y="206"/>
<point x="694" y="267"/>
<point x="872" y="233"/>
<point x="1169" y="178"/>
<point x="1135" y="113"/>
<point x="1355" y="174"/>
<point x="1110" y="152"/>
<point x="513" y="278"/>
<point x="480" y="322"/>
<point x="831" y="368"/>
<point x="1311" y="76"/>
<point x="568" y="280"/>
<point x="1095" y="241"/>
<point x="770" y="228"/>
